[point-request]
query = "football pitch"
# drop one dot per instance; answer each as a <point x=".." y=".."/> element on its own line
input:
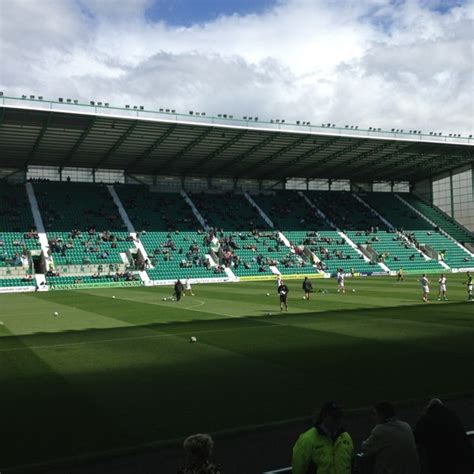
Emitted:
<point x="115" y="369"/>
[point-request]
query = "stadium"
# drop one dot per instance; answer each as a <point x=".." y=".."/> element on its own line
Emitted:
<point x="104" y="208"/>
<point x="188" y="291"/>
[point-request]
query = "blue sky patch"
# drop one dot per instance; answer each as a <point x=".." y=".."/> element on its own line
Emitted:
<point x="190" y="12"/>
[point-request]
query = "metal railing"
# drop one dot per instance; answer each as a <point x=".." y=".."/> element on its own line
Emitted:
<point x="105" y="109"/>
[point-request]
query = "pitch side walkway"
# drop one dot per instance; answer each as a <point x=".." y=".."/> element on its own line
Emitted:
<point x="248" y="453"/>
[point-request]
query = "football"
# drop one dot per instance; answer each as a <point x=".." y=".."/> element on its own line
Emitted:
<point x="56" y="313"/>
<point x="268" y="294"/>
<point x="193" y="339"/>
<point x="353" y="290"/>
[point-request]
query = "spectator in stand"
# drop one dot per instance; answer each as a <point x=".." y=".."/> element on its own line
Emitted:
<point x="443" y="444"/>
<point x="199" y="448"/>
<point x="391" y="443"/>
<point x="326" y="448"/>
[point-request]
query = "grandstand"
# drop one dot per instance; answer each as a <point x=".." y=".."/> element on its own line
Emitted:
<point x="157" y="196"/>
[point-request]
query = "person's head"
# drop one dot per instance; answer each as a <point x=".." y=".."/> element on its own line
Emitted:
<point x="383" y="411"/>
<point x="442" y="275"/>
<point x="424" y="275"/>
<point x="198" y="448"/>
<point x="434" y="403"/>
<point x="331" y="415"/>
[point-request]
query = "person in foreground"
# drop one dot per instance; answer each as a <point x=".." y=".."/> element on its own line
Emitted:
<point x="391" y="444"/>
<point x="198" y="450"/>
<point x="442" y="440"/>
<point x="326" y="448"/>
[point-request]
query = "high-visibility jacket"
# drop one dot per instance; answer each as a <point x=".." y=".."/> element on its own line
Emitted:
<point x="317" y="453"/>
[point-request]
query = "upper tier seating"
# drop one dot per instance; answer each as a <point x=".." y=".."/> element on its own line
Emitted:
<point x="402" y="217"/>
<point x="17" y="231"/>
<point x="170" y="233"/>
<point x="440" y="219"/>
<point x="82" y="223"/>
<point x="248" y="245"/>
<point x="297" y="219"/>
<point x="345" y="211"/>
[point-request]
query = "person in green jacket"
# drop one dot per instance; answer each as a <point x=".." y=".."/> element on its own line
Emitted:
<point x="325" y="448"/>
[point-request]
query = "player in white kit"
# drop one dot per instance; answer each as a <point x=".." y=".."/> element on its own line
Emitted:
<point x="425" y="285"/>
<point x="442" y="288"/>
<point x="340" y="281"/>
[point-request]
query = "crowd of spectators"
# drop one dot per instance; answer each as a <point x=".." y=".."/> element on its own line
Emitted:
<point x="437" y="444"/>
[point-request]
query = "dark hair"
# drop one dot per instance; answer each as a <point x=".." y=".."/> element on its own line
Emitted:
<point x="330" y="408"/>
<point x="385" y="410"/>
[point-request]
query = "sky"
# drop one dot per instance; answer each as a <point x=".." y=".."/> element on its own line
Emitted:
<point x="382" y="63"/>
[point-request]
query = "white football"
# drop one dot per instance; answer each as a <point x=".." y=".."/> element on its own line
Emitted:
<point x="113" y="297"/>
<point x="56" y="313"/>
<point x="353" y="290"/>
<point x="193" y="339"/>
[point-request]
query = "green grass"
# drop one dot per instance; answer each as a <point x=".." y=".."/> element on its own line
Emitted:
<point x="116" y="373"/>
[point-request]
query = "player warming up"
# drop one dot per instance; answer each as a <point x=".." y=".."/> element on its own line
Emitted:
<point x="341" y="285"/>
<point x="189" y="290"/>
<point x="400" y="274"/>
<point x="178" y="290"/>
<point x="425" y="285"/>
<point x="307" y="288"/>
<point x="283" y="292"/>
<point x="442" y="288"/>
<point x="469" y="286"/>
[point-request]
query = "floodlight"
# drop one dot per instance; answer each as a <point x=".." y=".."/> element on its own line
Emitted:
<point x="135" y="107"/>
<point x="283" y="121"/>
<point x="393" y="129"/>
<point x="431" y="133"/>
<point x="356" y="127"/>
<point x="370" y="128"/>
<point x="277" y="120"/>
<point x="450" y="134"/>
<point x="1" y="93"/>
<point x="419" y="132"/>
<point x="167" y="111"/>
<point x="76" y="102"/>
<point x="127" y="106"/>
<point x="106" y="104"/>
<point x="333" y="125"/>
<point x="60" y="99"/>
<point x="23" y="96"/>
<point x="161" y="110"/>
<point x="297" y="122"/>
<point x="219" y="115"/>
<point x="250" y="118"/>
<point x="272" y="121"/>
<point x="245" y="118"/>
<point x="230" y="116"/>
<point x="329" y="124"/>
<point x="67" y="100"/>
<point x="142" y="108"/>
<point x="197" y="113"/>
<point x="401" y="131"/>
<point x="308" y="123"/>
<point x="255" y="118"/>
<point x="352" y="126"/>
<point x="32" y="96"/>
<point x="346" y="126"/>
<point x="99" y="104"/>
<point x="93" y="103"/>
<point x="40" y="97"/>
<point x="379" y="129"/>
<point x="470" y="136"/>
<point x="174" y="111"/>
<point x="224" y="115"/>
<point x="322" y="125"/>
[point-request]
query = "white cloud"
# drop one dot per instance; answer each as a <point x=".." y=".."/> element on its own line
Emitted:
<point x="371" y="62"/>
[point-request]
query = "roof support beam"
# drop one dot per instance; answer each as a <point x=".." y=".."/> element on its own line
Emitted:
<point x="342" y="167"/>
<point x="44" y="129"/>
<point x="382" y="160"/>
<point x="306" y="155"/>
<point x="273" y="156"/>
<point x="242" y="156"/>
<point x="216" y="152"/>
<point x="337" y="154"/>
<point x="79" y="142"/>
<point x="187" y="148"/>
<point x="152" y="147"/>
<point x="117" y="145"/>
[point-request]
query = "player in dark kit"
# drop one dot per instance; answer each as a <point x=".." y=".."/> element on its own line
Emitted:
<point x="283" y="292"/>
<point x="178" y="289"/>
<point x="469" y="286"/>
<point x="307" y="288"/>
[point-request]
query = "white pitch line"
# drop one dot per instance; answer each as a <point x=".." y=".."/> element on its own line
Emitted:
<point x="118" y="339"/>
